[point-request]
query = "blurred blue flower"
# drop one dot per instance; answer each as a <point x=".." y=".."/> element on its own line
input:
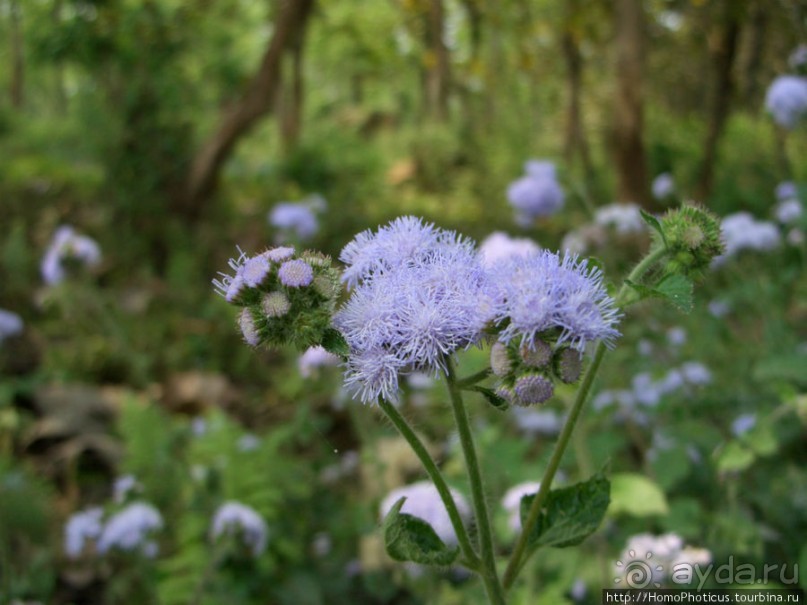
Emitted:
<point x="236" y="519"/>
<point x="537" y="194"/>
<point x="66" y="247"/>
<point x="129" y="530"/>
<point x="10" y="324"/>
<point x="81" y="527"/>
<point x="786" y="100"/>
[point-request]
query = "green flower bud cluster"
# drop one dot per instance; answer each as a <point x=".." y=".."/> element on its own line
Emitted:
<point x="286" y="297"/>
<point x="528" y="374"/>
<point x="692" y="238"/>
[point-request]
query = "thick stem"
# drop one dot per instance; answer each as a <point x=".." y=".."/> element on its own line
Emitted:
<point x="400" y="423"/>
<point x="519" y="556"/>
<point x="489" y="574"/>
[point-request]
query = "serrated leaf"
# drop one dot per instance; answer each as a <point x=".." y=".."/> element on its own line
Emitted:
<point x="409" y="538"/>
<point x="492" y="398"/>
<point x="334" y="342"/>
<point x="570" y="514"/>
<point x="654" y="224"/>
<point x="677" y="290"/>
<point x="636" y="495"/>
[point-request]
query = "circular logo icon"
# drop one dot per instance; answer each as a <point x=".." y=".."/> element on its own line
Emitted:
<point x="638" y="573"/>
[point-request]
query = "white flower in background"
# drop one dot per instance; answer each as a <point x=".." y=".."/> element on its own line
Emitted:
<point x="314" y="358"/>
<point x="743" y="423"/>
<point x="80" y="528"/>
<point x="786" y="100"/>
<point x="130" y="529"/>
<point x="500" y="246"/>
<point x="68" y="247"/>
<point x="534" y="422"/>
<point x="10" y="324"/>
<point x="122" y="486"/>
<point x="741" y="231"/>
<point x="423" y="501"/>
<point x="623" y="218"/>
<point x="512" y="501"/>
<point x="236" y="519"/>
<point x="663" y="186"/>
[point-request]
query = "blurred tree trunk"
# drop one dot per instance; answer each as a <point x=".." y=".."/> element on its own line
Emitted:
<point x="754" y="48"/>
<point x="723" y="51"/>
<point x="576" y="143"/>
<point x="290" y="97"/>
<point x="17" y="60"/>
<point x="58" y="67"/>
<point x="438" y="63"/>
<point x="238" y="120"/>
<point x="627" y="136"/>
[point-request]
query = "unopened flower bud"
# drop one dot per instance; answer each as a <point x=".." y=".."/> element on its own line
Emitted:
<point x="500" y="359"/>
<point x="275" y="304"/>
<point x="536" y="354"/>
<point x="568" y="365"/>
<point x="532" y="389"/>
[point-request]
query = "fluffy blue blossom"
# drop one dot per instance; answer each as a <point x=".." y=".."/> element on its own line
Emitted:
<point x="10" y="324"/>
<point x="786" y="100"/>
<point x="130" y="530"/>
<point x="68" y="247"/>
<point x="623" y="218"/>
<point x="408" y="313"/>
<point x="537" y="194"/>
<point x="80" y="528"/>
<point x="543" y="292"/>
<point x="236" y="519"/>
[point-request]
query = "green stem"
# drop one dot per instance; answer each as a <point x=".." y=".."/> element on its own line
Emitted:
<point x="519" y="556"/>
<point x="489" y="574"/>
<point x="400" y="423"/>
<point x="471" y="380"/>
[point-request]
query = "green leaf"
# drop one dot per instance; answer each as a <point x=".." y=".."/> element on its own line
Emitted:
<point x="492" y="398"/>
<point x="785" y="368"/>
<point x="654" y="224"/>
<point x="734" y="457"/>
<point x="408" y="538"/>
<point x="636" y="495"/>
<point x="570" y="514"/>
<point x="675" y="289"/>
<point x="334" y="342"/>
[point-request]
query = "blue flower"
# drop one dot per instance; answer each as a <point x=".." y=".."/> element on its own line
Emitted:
<point x="10" y="324"/>
<point x="129" y="529"/>
<point x="408" y="312"/>
<point x="234" y="518"/>
<point x="537" y="194"/>
<point x="68" y="246"/>
<point x="295" y="273"/>
<point x="541" y="293"/>
<point x="786" y="100"/>
<point x="298" y="218"/>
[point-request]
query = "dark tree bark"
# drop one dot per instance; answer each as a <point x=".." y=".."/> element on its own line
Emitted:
<point x="291" y="94"/>
<point x="757" y="34"/>
<point x="627" y="135"/>
<point x="256" y="102"/>
<point x="438" y="68"/>
<point x="17" y="60"/>
<point x="576" y="143"/>
<point x="723" y="53"/>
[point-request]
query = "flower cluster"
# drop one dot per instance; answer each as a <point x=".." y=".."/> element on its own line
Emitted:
<point x="234" y="518"/>
<point x="741" y="231"/>
<point x="547" y="309"/>
<point x="297" y="219"/>
<point x="285" y="297"/>
<point x="663" y="186"/>
<point x="10" y="324"/>
<point x="423" y="501"/>
<point x="418" y="295"/>
<point x="788" y="210"/>
<point x="623" y="218"/>
<point x="786" y="100"/>
<point x="129" y="530"/>
<point x="68" y="251"/>
<point x="537" y="194"/>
